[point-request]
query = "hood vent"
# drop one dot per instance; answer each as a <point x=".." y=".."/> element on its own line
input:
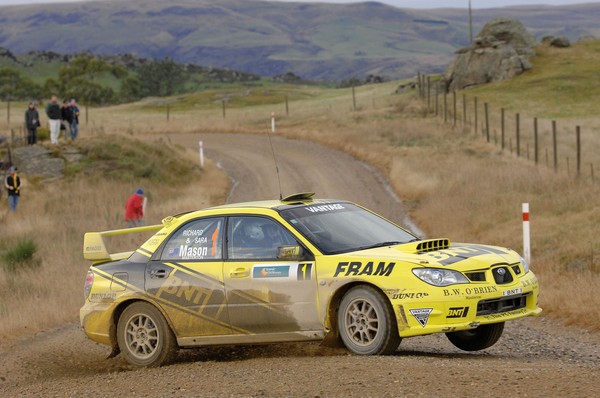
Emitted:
<point x="433" y="245"/>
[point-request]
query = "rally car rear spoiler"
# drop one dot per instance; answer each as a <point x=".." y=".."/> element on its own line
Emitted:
<point x="94" y="248"/>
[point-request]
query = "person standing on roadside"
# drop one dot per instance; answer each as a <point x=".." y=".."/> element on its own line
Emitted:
<point x="134" y="209"/>
<point x="75" y="123"/>
<point x="12" y="182"/>
<point x="32" y="122"/>
<point x="66" y="119"/>
<point x="53" y="113"/>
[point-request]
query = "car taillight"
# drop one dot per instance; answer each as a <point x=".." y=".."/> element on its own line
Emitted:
<point x="89" y="281"/>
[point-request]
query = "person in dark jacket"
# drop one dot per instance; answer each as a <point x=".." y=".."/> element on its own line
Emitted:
<point x="32" y="122"/>
<point x="53" y="113"/>
<point x="12" y="182"/>
<point x="75" y="123"/>
<point x="66" y="119"/>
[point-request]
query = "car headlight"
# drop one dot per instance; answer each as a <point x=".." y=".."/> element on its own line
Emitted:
<point x="439" y="277"/>
<point x="525" y="264"/>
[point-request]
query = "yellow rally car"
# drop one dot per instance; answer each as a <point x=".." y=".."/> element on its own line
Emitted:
<point x="295" y="270"/>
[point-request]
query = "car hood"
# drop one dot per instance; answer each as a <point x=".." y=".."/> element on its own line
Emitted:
<point x="458" y="256"/>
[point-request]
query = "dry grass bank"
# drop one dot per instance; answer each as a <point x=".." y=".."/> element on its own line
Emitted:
<point x="56" y="215"/>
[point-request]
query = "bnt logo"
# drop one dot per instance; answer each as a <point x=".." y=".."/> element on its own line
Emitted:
<point x="458" y="312"/>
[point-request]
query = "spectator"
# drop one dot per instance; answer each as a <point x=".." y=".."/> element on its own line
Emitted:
<point x="32" y="122"/>
<point x="66" y="118"/>
<point x="12" y="182"/>
<point x="134" y="209"/>
<point x="75" y="122"/>
<point x="53" y="113"/>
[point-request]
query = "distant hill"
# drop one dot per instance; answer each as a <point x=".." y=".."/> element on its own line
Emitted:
<point x="313" y="40"/>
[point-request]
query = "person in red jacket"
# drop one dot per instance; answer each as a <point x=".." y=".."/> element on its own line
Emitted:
<point x="134" y="209"/>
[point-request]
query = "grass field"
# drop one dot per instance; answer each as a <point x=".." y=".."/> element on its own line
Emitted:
<point x="452" y="182"/>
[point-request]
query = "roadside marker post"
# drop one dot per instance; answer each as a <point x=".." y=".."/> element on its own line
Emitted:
<point x="201" y="154"/>
<point x="526" y="240"/>
<point x="273" y="122"/>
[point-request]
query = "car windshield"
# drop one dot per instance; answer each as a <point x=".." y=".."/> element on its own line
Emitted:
<point x="343" y="227"/>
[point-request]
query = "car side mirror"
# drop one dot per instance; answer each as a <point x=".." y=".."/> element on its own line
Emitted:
<point x="290" y="253"/>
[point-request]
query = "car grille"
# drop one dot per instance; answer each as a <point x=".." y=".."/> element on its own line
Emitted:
<point x="495" y="306"/>
<point x="433" y="245"/>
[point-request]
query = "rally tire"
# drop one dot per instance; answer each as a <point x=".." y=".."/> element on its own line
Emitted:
<point x="144" y="336"/>
<point x="480" y="338"/>
<point x="366" y="322"/>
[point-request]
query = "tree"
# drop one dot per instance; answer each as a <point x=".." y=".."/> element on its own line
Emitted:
<point x="80" y="80"/>
<point x="15" y="86"/>
<point x="161" y="78"/>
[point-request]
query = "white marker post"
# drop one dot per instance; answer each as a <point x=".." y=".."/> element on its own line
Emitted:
<point x="526" y="241"/>
<point x="201" y="154"/>
<point x="273" y="122"/>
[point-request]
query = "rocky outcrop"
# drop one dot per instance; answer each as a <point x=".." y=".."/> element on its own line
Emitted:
<point x="288" y="77"/>
<point x="37" y="160"/>
<point x="556" y="41"/>
<point x="501" y="51"/>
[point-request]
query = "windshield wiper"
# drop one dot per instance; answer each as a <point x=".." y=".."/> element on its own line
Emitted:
<point x="382" y="244"/>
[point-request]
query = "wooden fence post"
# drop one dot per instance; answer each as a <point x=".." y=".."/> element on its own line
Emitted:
<point x="518" y="131"/>
<point x="419" y="83"/>
<point x="454" y="108"/>
<point x="445" y="106"/>
<point x="464" y="110"/>
<point x="578" y="135"/>
<point x="535" y="140"/>
<point x="353" y="99"/>
<point x="223" y="107"/>
<point x="437" y="100"/>
<point x="554" y="146"/>
<point x="168" y="111"/>
<point x="428" y="93"/>
<point x="487" y="122"/>
<point x="475" y="112"/>
<point x="502" y="126"/>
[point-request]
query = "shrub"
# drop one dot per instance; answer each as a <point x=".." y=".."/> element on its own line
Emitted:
<point x="43" y="134"/>
<point x="20" y="255"/>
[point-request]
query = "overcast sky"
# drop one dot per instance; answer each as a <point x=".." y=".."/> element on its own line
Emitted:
<point x="397" y="3"/>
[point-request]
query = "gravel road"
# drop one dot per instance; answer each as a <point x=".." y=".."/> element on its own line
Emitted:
<point x="535" y="357"/>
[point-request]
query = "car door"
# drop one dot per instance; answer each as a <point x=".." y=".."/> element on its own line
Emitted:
<point x="268" y="291"/>
<point x="186" y="279"/>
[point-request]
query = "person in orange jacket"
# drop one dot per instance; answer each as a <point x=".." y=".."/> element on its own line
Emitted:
<point x="134" y="209"/>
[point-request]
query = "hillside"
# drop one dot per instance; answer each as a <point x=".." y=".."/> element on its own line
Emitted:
<point x="315" y="41"/>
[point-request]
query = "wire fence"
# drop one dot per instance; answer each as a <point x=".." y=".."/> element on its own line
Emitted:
<point x="560" y="146"/>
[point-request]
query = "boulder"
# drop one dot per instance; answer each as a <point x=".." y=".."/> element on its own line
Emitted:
<point x="501" y="51"/>
<point x="36" y="160"/>
<point x="560" y="42"/>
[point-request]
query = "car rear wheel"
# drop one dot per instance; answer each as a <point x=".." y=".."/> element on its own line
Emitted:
<point x="480" y="338"/>
<point x="144" y="337"/>
<point x="366" y="322"/>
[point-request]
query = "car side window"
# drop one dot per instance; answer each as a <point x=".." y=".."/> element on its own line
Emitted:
<point x="197" y="240"/>
<point x="256" y="238"/>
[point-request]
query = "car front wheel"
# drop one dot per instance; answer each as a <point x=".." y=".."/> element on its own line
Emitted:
<point x="366" y="322"/>
<point x="480" y="338"/>
<point x="144" y="337"/>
